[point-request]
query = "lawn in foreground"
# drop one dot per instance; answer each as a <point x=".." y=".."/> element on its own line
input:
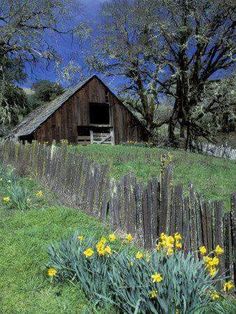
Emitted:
<point x="214" y="178"/>
<point x="24" y="238"/>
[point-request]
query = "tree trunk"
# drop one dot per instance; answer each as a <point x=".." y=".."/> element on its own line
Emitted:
<point x="182" y="131"/>
<point x="171" y="132"/>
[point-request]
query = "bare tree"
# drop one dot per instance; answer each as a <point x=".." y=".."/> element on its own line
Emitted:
<point x="200" y="39"/>
<point x="171" y="47"/>
<point x="27" y="26"/>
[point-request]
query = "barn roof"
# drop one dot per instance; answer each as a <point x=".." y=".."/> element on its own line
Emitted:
<point x="41" y="114"/>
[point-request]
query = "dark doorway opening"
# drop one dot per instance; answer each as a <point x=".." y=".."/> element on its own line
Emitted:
<point x="99" y="113"/>
<point x="83" y="130"/>
<point x="27" y="138"/>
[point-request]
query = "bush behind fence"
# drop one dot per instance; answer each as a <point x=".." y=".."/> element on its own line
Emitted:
<point x="128" y="205"/>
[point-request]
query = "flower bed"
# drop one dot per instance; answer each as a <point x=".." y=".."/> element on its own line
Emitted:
<point x="165" y="280"/>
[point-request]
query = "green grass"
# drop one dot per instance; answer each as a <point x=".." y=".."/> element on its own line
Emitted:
<point x="24" y="238"/>
<point x="214" y="178"/>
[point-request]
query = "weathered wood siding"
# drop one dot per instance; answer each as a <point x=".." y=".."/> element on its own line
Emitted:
<point x="61" y="125"/>
<point x="75" y="112"/>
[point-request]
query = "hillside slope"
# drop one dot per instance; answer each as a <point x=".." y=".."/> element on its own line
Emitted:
<point x="215" y="178"/>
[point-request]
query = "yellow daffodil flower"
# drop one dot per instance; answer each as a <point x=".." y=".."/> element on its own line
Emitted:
<point x="52" y="272"/>
<point x="89" y="252"/>
<point x="170" y="241"/>
<point x="112" y="237"/>
<point x="39" y="194"/>
<point x="108" y="250"/>
<point x="170" y="251"/>
<point x="212" y="271"/>
<point x="178" y="245"/>
<point x="203" y="250"/>
<point x="215" y="296"/>
<point x="156" y="277"/>
<point x="228" y="286"/>
<point x="177" y="236"/>
<point x="6" y="199"/>
<point x="213" y="261"/>
<point x="162" y="236"/>
<point x="80" y="238"/>
<point x="153" y="294"/>
<point x="129" y="238"/>
<point x="219" y="250"/>
<point x="100" y="248"/>
<point x="103" y="240"/>
<point x="139" y="255"/>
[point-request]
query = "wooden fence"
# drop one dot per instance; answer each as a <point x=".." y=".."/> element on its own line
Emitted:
<point x="223" y="151"/>
<point x="142" y="210"/>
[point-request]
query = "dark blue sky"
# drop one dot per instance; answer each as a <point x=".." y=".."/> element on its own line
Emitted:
<point x="69" y="49"/>
<point x="73" y="50"/>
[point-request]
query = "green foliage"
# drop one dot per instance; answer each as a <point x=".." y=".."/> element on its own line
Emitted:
<point x="15" y="195"/>
<point x="71" y="263"/>
<point x="13" y="105"/>
<point x="19" y="197"/>
<point x="227" y="306"/>
<point x="126" y="281"/>
<point x="12" y="68"/>
<point x="220" y="97"/>
<point x="44" y="91"/>
<point x="24" y="237"/>
<point x="13" y="100"/>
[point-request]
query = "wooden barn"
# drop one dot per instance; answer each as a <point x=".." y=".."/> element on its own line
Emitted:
<point x="86" y="113"/>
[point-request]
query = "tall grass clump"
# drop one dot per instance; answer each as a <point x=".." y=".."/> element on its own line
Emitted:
<point x="165" y="280"/>
<point x="17" y="192"/>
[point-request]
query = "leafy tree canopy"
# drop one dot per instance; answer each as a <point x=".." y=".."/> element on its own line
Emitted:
<point x="44" y="91"/>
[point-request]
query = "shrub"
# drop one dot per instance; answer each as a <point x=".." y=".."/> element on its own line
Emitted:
<point x="166" y="280"/>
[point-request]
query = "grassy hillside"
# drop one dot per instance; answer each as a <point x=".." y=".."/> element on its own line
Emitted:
<point x="214" y="177"/>
<point x="24" y="239"/>
<point x="25" y="236"/>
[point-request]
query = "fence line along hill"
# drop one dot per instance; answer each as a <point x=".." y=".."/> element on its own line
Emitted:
<point x="144" y="210"/>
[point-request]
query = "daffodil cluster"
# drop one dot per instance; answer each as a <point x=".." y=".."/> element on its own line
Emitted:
<point x="211" y="260"/>
<point x="103" y="248"/>
<point x="211" y="264"/>
<point x="227" y="287"/>
<point x="15" y="195"/>
<point x="169" y="243"/>
<point x="161" y="277"/>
